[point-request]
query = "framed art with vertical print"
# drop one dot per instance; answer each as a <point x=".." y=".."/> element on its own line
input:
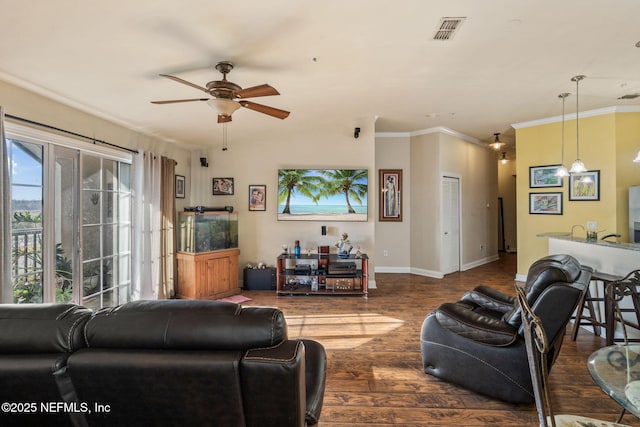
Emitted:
<point x="544" y="176"/>
<point x="180" y="190"/>
<point x="222" y="186"/>
<point x="390" y="195"/>
<point x="545" y="203"/>
<point x="584" y="185"/>
<point x="257" y="197"/>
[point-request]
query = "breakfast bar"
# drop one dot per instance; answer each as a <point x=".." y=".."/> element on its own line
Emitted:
<point x="610" y="261"/>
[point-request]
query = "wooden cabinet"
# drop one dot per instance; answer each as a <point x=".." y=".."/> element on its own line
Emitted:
<point x="322" y="275"/>
<point x="208" y="275"/>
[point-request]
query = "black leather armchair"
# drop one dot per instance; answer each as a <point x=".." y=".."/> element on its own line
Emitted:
<point x="478" y="341"/>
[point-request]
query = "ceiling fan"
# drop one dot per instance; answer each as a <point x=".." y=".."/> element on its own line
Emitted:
<point x="224" y="94"/>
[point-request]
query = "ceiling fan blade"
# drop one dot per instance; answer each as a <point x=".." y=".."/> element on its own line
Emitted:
<point x="271" y="111"/>
<point x="222" y="118"/>
<point x="179" y="80"/>
<point x="179" y="100"/>
<point x="252" y="92"/>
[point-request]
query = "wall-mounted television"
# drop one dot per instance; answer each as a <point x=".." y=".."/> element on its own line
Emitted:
<point x="323" y="194"/>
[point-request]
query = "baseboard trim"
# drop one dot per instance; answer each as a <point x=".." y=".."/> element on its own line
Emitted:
<point x="479" y="262"/>
<point x="427" y="273"/>
<point x="379" y="269"/>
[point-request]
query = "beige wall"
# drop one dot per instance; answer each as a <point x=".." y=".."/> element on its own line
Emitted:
<point x="439" y="152"/>
<point x="608" y="143"/>
<point x="392" y="237"/>
<point x="477" y="168"/>
<point x="412" y="244"/>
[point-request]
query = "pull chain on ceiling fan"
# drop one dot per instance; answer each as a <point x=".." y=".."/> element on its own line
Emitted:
<point x="224" y="94"/>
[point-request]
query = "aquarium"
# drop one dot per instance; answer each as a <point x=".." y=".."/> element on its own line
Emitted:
<point x="207" y="231"/>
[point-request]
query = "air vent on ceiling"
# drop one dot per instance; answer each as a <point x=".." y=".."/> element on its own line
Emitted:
<point x="630" y="96"/>
<point x="447" y="28"/>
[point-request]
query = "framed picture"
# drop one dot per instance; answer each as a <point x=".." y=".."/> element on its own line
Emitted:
<point x="390" y="195"/>
<point x="323" y="194"/>
<point x="257" y="197"/>
<point x="545" y="203"/>
<point x="584" y="185"/>
<point x="545" y="176"/>
<point x="222" y="186"/>
<point x="180" y="190"/>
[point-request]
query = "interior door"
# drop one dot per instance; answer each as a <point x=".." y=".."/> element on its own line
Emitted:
<point x="450" y="245"/>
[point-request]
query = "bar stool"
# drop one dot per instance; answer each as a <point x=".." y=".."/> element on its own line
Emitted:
<point x="591" y="318"/>
<point x="614" y="293"/>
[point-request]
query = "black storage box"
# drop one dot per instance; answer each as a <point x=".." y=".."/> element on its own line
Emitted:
<point x="261" y="279"/>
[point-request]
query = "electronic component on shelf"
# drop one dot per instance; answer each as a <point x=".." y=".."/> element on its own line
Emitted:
<point x="341" y="268"/>
<point x="302" y="269"/>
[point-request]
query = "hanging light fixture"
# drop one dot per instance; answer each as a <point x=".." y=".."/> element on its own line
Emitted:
<point x="562" y="170"/>
<point x="504" y="159"/>
<point x="637" y="159"/>
<point x="496" y="145"/>
<point x="577" y="165"/>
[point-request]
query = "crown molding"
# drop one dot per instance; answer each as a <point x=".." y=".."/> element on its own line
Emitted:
<point x="583" y="114"/>
<point x="437" y="129"/>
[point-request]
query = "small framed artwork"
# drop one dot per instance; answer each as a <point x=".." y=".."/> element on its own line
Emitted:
<point x="257" y="197"/>
<point x="390" y="195"/>
<point x="545" y="176"/>
<point x="545" y="203"/>
<point x="222" y="186"/>
<point x="584" y="185"/>
<point x="180" y="190"/>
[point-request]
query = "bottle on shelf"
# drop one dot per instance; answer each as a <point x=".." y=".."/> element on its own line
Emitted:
<point x="297" y="248"/>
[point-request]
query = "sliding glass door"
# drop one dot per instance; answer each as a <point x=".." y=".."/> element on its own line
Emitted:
<point x="71" y="223"/>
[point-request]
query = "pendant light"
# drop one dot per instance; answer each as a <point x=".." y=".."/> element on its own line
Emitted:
<point x="577" y="165"/>
<point x="504" y="159"/>
<point x="562" y="170"/>
<point x="497" y="144"/>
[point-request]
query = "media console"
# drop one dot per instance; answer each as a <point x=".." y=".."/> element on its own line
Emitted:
<point x="322" y="274"/>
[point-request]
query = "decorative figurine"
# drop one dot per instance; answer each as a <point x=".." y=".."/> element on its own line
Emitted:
<point x="344" y="246"/>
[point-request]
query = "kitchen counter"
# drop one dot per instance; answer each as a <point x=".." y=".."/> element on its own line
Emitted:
<point x="563" y="235"/>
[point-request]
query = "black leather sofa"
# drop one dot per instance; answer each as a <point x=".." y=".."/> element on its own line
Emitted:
<point x="160" y="363"/>
<point x="478" y="342"/>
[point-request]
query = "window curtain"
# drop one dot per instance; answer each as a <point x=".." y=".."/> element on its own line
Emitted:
<point x="145" y="244"/>
<point x="6" y="290"/>
<point x="166" y="287"/>
<point x="153" y="218"/>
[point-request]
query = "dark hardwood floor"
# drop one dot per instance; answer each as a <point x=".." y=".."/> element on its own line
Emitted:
<point x="374" y="372"/>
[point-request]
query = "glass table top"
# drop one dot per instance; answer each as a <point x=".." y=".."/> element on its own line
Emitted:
<point x="616" y="369"/>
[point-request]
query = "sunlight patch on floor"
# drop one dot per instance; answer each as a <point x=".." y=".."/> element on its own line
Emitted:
<point x="341" y="331"/>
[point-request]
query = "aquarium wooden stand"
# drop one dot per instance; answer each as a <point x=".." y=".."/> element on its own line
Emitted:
<point x="207" y="275"/>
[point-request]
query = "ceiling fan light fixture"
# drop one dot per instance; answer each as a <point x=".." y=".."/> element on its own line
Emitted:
<point x="225" y="107"/>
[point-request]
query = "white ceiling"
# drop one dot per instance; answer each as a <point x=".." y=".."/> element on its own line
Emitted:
<point x="332" y="60"/>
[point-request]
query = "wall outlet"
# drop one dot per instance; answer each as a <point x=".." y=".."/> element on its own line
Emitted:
<point x="385" y="252"/>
